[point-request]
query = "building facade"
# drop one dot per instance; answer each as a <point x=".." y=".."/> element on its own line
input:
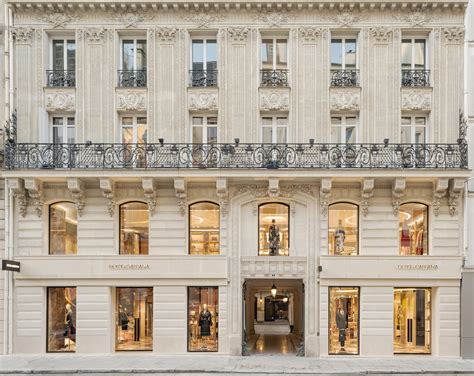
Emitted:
<point x="180" y="174"/>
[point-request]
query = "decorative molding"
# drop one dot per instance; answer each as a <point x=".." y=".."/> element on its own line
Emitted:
<point x="93" y="34"/>
<point x="76" y="188"/>
<point x="203" y="100"/>
<point x="273" y="18"/>
<point x="345" y="99"/>
<point x="59" y="19"/>
<point x="345" y="18"/>
<point x="222" y="192"/>
<point x="22" y="35"/>
<point x="131" y="100"/>
<point x="381" y="34"/>
<point x="17" y="186"/>
<point x="108" y="191"/>
<point x="273" y="188"/>
<point x="416" y="99"/>
<point x="439" y="191"/>
<point x="60" y="101"/>
<point x="166" y="34"/>
<point x="149" y="191"/>
<point x="367" y="191"/>
<point x="274" y="99"/>
<point x="398" y="192"/>
<point x="413" y="18"/>
<point x="453" y="35"/>
<point x="132" y="19"/>
<point x="267" y="267"/>
<point x="35" y="191"/>
<point x="325" y="195"/>
<point x="309" y="34"/>
<point x="203" y="18"/>
<point x="238" y="34"/>
<point x="181" y="194"/>
<point x="456" y="188"/>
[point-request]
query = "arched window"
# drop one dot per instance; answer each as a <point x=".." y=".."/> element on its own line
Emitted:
<point x="273" y="230"/>
<point x="204" y="228"/>
<point x="62" y="228"/>
<point x="343" y="229"/>
<point x="413" y="229"/>
<point x="134" y="225"/>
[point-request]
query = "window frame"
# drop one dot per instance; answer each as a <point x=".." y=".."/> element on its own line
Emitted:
<point x="258" y="226"/>
<point x="204" y="40"/>
<point x="135" y="54"/>
<point x="274" y="127"/>
<point x="428" y="231"/>
<point x="412" y="40"/>
<point x="64" y="127"/>
<point x="343" y="127"/>
<point x="358" y="226"/>
<point x="134" y="127"/>
<point x="120" y="229"/>
<point x="189" y="226"/>
<point x="274" y="46"/>
<point x="65" y="41"/>
<point x="343" y="40"/>
<point x="49" y="227"/>
<point x="413" y="127"/>
<point x="204" y="127"/>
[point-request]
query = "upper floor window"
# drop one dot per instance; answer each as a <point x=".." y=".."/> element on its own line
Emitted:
<point x="343" y="229"/>
<point x="344" y="62"/>
<point x="273" y="230"/>
<point x="133" y="72"/>
<point x="134" y="223"/>
<point x="413" y="228"/>
<point x="274" y="55"/>
<point x="62" y="228"/>
<point x="204" y="129"/>
<point x="63" y="129"/>
<point x="134" y="129"/>
<point x="204" y="228"/>
<point x="414" y="66"/>
<point x="63" y="63"/>
<point x="413" y="129"/>
<point x="344" y="129"/>
<point x="274" y="129"/>
<point x="204" y="62"/>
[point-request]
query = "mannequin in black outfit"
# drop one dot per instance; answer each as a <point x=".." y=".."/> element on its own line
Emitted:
<point x="205" y="321"/>
<point x="341" y="324"/>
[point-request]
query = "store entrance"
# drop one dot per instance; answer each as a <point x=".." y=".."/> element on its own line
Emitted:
<point x="273" y="312"/>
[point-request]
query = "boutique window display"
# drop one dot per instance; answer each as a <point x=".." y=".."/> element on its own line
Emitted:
<point x="413" y="229"/>
<point x="412" y="321"/>
<point x="203" y="320"/>
<point x="344" y="320"/>
<point x="204" y="228"/>
<point x="61" y="319"/>
<point x="273" y="230"/>
<point x="343" y="229"/>
<point x="134" y="222"/>
<point x="62" y="228"/>
<point x="134" y="314"/>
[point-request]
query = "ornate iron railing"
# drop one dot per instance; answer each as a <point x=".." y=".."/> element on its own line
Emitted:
<point x="60" y="78"/>
<point x="132" y="78"/>
<point x="274" y="77"/>
<point x="344" y="77"/>
<point x="235" y="156"/>
<point x="202" y="78"/>
<point x="415" y="77"/>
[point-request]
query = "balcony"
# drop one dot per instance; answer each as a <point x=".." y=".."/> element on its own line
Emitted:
<point x="274" y="77"/>
<point x="415" y="77"/>
<point x="132" y="78"/>
<point x="203" y="78"/>
<point x="344" y="77"/>
<point x="60" y="78"/>
<point x="235" y="156"/>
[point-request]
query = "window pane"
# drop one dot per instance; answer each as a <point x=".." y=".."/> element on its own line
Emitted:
<point x="281" y="54"/>
<point x="350" y="135"/>
<point x="419" y="54"/>
<point x="413" y="229"/>
<point x="134" y="315"/>
<point x="336" y="134"/>
<point x="197" y="120"/>
<point x="134" y="228"/>
<point x="127" y="120"/>
<point x="350" y="51"/>
<point x="267" y="121"/>
<point x="336" y="54"/>
<point x="267" y="135"/>
<point x="70" y="121"/>
<point x="197" y="135"/>
<point x="211" y="51"/>
<point x="71" y="135"/>
<point x="58" y="55"/>
<point x="273" y="230"/>
<point x="267" y="53"/>
<point x="406" y="120"/>
<point x="212" y="120"/>
<point x="141" y="54"/>
<point x="58" y="135"/>
<point x="420" y="120"/>
<point x="405" y="137"/>
<point x="127" y="54"/>
<point x="71" y="55"/>
<point x="336" y="120"/>
<point x="281" y="135"/>
<point x="406" y="56"/>
<point x="198" y="54"/>
<point x="282" y="121"/>
<point x="61" y="319"/>
<point x="211" y="135"/>
<point x="420" y="137"/>
<point x="344" y="320"/>
<point x="127" y="135"/>
<point x="204" y="229"/>
<point x="62" y="228"/>
<point x="203" y="308"/>
<point x="142" y="135"/>
<point x="412" y="321"/>
<point x="343" y="229"/>
<point x="351" y="120"/>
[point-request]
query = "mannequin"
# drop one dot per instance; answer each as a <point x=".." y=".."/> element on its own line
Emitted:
<point x="340" y="237"/>
<point x="123" y="318"/>
<point x="419" y="242"/>
<point x="341" y="324"/>
<point x="405" y="238"/>
<point x="69" y="329"/>
<point x="205" y="321"/>
<point x="274" y="238"/>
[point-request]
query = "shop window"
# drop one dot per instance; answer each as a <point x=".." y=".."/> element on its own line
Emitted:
<point x="344" y="320"/>
<point x="62" y="228"/>
<point x="134" y="312"/>
<point x="134" y="224"/>
<point x="343" y="229"/>
<point x="203" y="312"/>
<point x="413" y="229"/>
<point x="273" y="239"/>
<point x="61" y="319"/>
<point x="412" y="321"/>
<point x="204" y="228"/>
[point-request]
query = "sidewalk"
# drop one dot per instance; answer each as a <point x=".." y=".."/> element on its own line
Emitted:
<point x="147" y="364"/>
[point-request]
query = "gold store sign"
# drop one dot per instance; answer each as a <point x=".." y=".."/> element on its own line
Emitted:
<point x="418" y="267"/>
<point x="129" y="266"/>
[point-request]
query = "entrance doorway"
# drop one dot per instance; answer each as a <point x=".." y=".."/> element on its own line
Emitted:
<point x="273" y="312"/>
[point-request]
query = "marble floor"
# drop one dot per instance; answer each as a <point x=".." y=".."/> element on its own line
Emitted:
<point x="271" y="344"/>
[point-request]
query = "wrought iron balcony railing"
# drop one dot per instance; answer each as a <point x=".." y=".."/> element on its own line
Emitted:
<point x="274" y="77"/>
<point x="132" y="78"/>
<point x="235" y="156"/>
<point x="415" y="77"/>
<point x="203" y="78"/>
<point x="60" y="78"/>
<point x="344" y="77"/>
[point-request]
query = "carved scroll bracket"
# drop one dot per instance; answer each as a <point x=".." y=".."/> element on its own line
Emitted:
<point x="17" y="187"/>
<point x="76" y="188"/>
<point x="108" y="191"/>
<point x="439" y="191"/>
<point x="222" y="192"/>
<point x="398" y="192"/>
<point x="367" y="191"/>
<point x="149" y="191"/>
<point x="35" y="191"/>
<point x="456" y="187"/>
<point x="325" y="195"/>
<point x="181" y="194"/>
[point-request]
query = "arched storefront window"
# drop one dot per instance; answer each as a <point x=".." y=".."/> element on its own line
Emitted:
<point x="204" y="228"/>
<point x="273" y="230"/>
<point x="413" y="229"/>
<point x="134" y="223"/>
<point x="62" y="228"/>
<point x="343" y="229"/>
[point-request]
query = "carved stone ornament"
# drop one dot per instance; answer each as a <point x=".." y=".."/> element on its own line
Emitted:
<point x="59" y="19"/>
<point x="131" y="100"/>
<point x="149" y="191"/>
<point x="453" y="35"/>
<point x="77" y="191"/>
<point x="454" y="194"/>
<point x="381" y="34"/>
<point x="367" y="191"/>
<point x="60" y="102"/>
<point x="22" y="34"/>
<point x="398" y="192"/>
<point x="181" y="194"/>
<point x="274" y="100"/>
<point x="309" y="33"/>
<point x="439" y="191"/>
<point x="273" y="18"/>
<point x="325" y="195"/>
<point x="166" y="34"/>
<point x="35" y="191"/>
<point x="345" y="18"/>
<point x="93" y="34"/>
<point x="203" y="18"/>
<point x="108" y="191"/>
<point x="413" y="18"/>
<point x="345" y="100"/>
<point x="19" y="192"/>
<point x="415" y="99"/>
<point x="203" y="100"/>
<point x="238" y="34"/>
<point x="132" y="19"/>
<point x="222" y="193"/>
